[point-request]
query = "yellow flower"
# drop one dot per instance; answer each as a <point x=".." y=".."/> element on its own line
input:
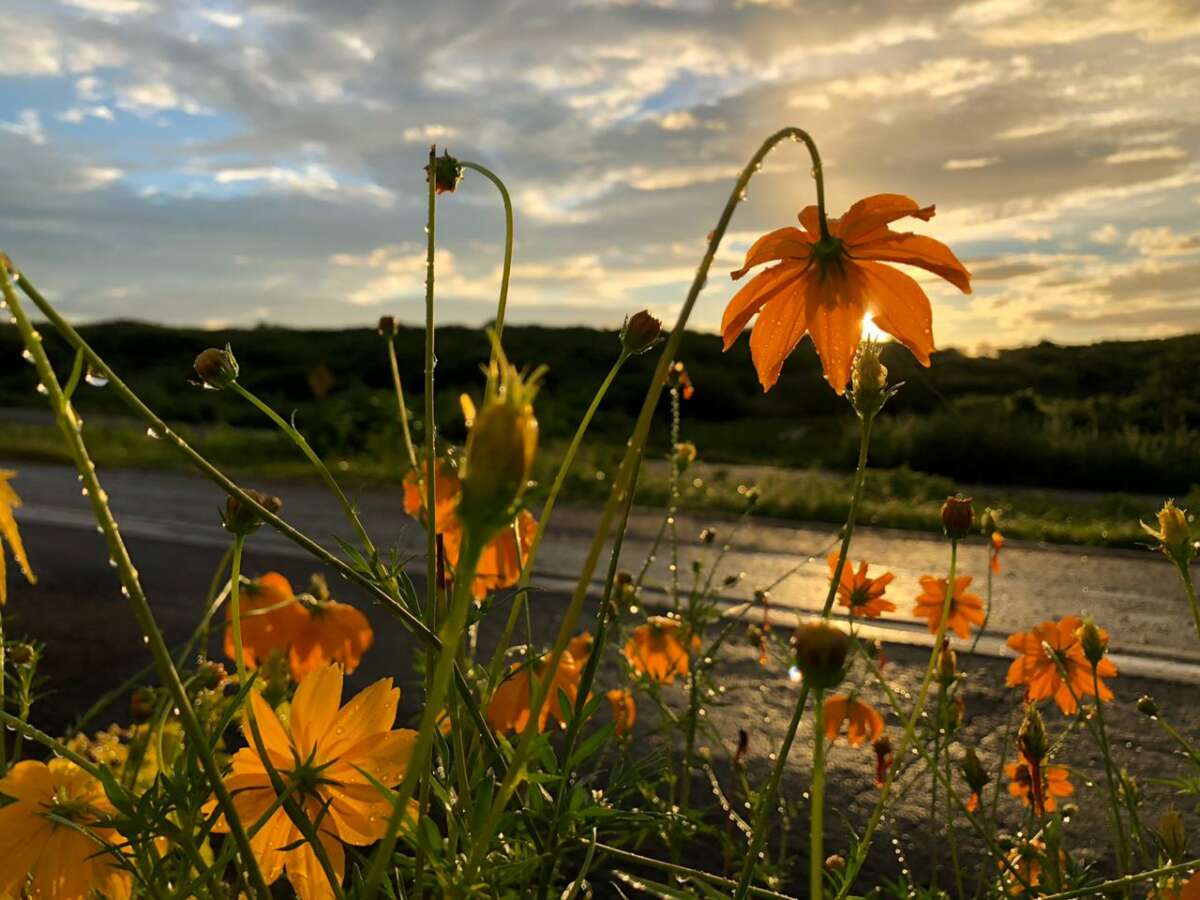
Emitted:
<point x="325" y="754"/>
<point x="509" y="707"/>
<point x="657" y="651"/>
<point x="624" y="709"/>
<point x="65" y="862"/>
<point x="8" y="531"/>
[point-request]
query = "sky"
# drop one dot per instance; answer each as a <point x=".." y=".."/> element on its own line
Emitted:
<point x="229" y="163"/>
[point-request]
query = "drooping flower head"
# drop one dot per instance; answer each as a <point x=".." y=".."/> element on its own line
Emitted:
<point x="1038" y="670"/>
<point x="1056" y="782"/>
<point x="965" y="609"/>
<point x="863" y="722"/>
<point x="37" y="841"/>
<point x="823" y="284"/>
<point x="624" y="709"/>
<point x="512" y="701"/>
<point x="656" y="650"/>
<point x="861" y="595"/>
<point x="324" y="754"/>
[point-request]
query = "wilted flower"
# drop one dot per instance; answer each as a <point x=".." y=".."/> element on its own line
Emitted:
<point x="640" y="332"/>
<point x="957" y="516"/>
<point x="863" y="721"/>
<point x="884" y="757"/>
<point x="821" y="653"/>
<point x="447" y="173"/>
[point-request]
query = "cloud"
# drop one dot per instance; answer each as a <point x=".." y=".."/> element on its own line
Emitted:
<point x="28" y="125"/>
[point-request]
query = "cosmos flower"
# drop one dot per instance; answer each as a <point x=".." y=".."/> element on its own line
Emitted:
<point x="1039" y="672"/>
<point x="965" y="609"/>
<point x="861" y="595"/>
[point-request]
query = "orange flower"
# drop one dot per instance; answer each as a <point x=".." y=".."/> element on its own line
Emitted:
<point x="1038" y="671"/>
<point x="656" y="651"/>
<point x="997" y="543"/>
<point x="823" y="285"/>
<point x="1055" y="783"/>
<point x="965" y="609"/>
<point x="864" y="722"/>
<point x="861" y="595"/>
<point x="501" y="562"/>
<point x="580" y="648"/>
<point x="510" y="704"/>
<point x="624" y="709"/>
<point x="973" y="802"/>
<point x="269" y="618"/>
<point x="64" y="861"/>
<point x="328" y="631"/>
<point x="325" y="755"/>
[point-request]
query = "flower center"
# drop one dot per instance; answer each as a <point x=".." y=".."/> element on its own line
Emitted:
<point x="827" y="254"/>
<point x="860" y="596"/>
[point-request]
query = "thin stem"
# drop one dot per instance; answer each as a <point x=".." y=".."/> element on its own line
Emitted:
<point x="935" y="753"/>
<point x="767" y="800"/>
<point x="564" y="468"/>
<point x="1101" y="735"/>
<point x="68" y="423"/>
<point x="451" y="635"/>
<point x="1186" y="574"/>
<point x="684" y="871"/>
<point x="816" y="823"/>
<point x="401" y="406"/>
<point x="508" y="239"/>
<point x="621" y="485"/>
<point x="860" y="854"/>
<point x="1100" y="890"/>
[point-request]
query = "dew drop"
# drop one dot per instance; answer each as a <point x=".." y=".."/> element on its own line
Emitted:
<point x="94" y="378"/>
<point x="26" y="355"/>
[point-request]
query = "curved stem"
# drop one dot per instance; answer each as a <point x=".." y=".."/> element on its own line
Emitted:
<point x="508" y="239"/>
<point x="621" y="485"/>
<point x="131" y="585"/>
<point x="767" y="800"/>
<point x="816" y="822"/>
<point x="564" y="468"/>
<point x="860" y="854"/>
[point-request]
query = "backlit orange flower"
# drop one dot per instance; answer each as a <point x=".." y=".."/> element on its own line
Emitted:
<point x="1055" y="783"/>
<point x="861" y="595"/>
<point x="63" y="861"/>
<point x="624" y="709"/>
<point x="269" y="618"/>
<point x="824" y="285"/>
<point x="973" y="802"/>
<point x="502" y="559"/>
<point x="324" y="754"/>
<point x="1037" y="670"/>
<point x="580" y="648"/>
<point x="510" y="704"/>
<point x="965" y="609"/>
<point x="656" y="650"/>
<point x="863" y="722"/>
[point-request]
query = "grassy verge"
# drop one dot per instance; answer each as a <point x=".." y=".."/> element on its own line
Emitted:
<point x="896" y="498"/>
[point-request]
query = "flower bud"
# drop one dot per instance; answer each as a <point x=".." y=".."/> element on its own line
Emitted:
<point x="142" y="703"/>
<point x="973" y="771"/>
<point x="821" y="653"/>
<point x="835" y="862"/>
<point x="1171" y="832"/>
<point x="1147" y="705"/>
<point x="947" y="663"/>
<point x="1173" y="534"/>
<point x="387" y="326"/>
<point x="500" y="450"/>
<point x="447" y="173"/>
<point x="242" y="518"/>
<point x="22" y="654"/>
<point x="1094" y="641"/>
<point x="743" y="748"/>
<point x="640" y="332"/>
<point x="957" y="516"/>
<point x="685" y="454"/>
<point x="707" y="536"/>
<point x="868" y="380"/>
<point x="989" y="521"/>
<point x="1032" y="736"/>
<point x="210" y="675"/>
<point x="217" y="368"/>
<point x="883" y="759"/>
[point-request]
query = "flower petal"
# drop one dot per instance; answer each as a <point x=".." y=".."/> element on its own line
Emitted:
<point x="754" y="294"/>
<point x="780" y="326"/>
<point x="370" y="712"/>
<point x="782" y="243"/>
<point x="305" y="872"/>
<point x="900" y="307"/>
<point x="274" y="738"/>
<point x="315" y="706"/>
<point x="871" y="213"/>
<point x="916" y="250"/>
<point x="834" y="313"/>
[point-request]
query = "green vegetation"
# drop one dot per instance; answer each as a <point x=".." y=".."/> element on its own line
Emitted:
<point x="1037" y="425"/>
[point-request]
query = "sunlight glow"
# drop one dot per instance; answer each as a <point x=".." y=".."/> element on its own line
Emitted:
<point x="872" y="331"/>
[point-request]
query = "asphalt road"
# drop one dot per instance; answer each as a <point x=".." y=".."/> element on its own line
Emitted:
<point x="171" y="524"/>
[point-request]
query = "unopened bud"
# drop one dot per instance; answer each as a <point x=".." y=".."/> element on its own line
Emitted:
<point x="743" y="748"/>
<point x="1171" y="832"/>
<point x="447" y="173"/>
<point x="835" y="862"/>
<point x="243" y="519"/>
<point x="22" y="654"/>
<point x="957" y="516"/>
<point x="640" y="332"/>
<point x="1147" y="705"/>
<point x="973" y="771"/>
<point x="947" y="663"/>
<point x="1094" y="641"/>
<point x="142" y="703"/>
<point x="387" y="326"/>
<point x="868" y="380"/>
<point x="1032" y="736"/>
<point x="217" y="368"/>
<point x="821" y="653"/>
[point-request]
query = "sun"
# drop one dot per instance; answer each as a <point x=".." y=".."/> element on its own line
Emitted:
<point x="871" y="331"/>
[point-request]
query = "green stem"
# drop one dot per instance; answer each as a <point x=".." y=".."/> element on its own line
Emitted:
<point x="452" y="631"/>
<point x="508" y="239"/>
<point x="860" y="853"/>
<point x="816" y="824"/>
<point x="1101" y="734"/>
<point x="497" y="664"/>
<point x="1186" y="574"/>
<point x="68" y="423"/>
<point x="1104" y="888"/>
<point x="401" y="406"/>
<point x="621" y="485"/>
<point x="935" y="753"/>
<point x="767" y="800"/>
<point x="685" y="871"/>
